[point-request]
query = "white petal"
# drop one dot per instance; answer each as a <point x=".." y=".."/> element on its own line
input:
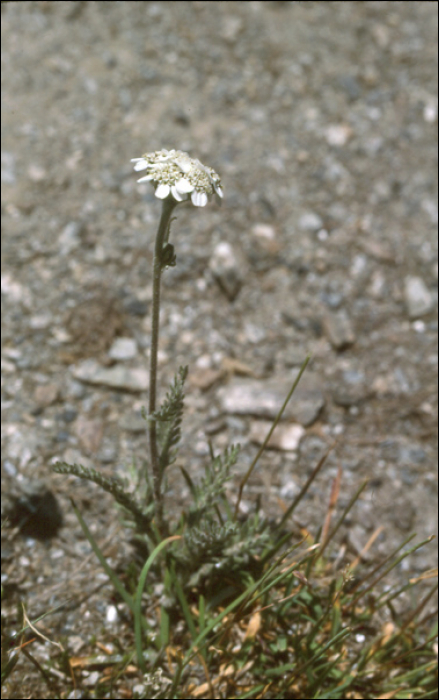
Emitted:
<point x="184" y="164"/>
<point x="199" y="199"/>
<point x="162" y="191"/>
<point x="141" y="163"/>
<point x="183" y="186"/>
<point x="146" y="178"/>
<point x="176" y="194"/>
<point x="219" y="191"/>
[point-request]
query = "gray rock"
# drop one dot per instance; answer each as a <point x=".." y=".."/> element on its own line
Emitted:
<point x="412" y="454"/>
<point x="70" y="237"/>
<point x="89" y="433"/>
<point x="403" y="513"/>
<point x="225" y="269"/>
<point x="133" y="423"/>
<point x="46" y="394"/>
<point x="285" y="437"/>
<point x="264" y="399"/>
<point x="13" y="291"/>
<point x="40" y="322"/>
<point x="339" y="329"/>
<point x="116" y="377"/>
<point x="21" y="443"/>
<point x="349" y="387"/>
<point x="417" y="297"/>
<point x="8" y="168"/>
<point x="123" y="349"/>
<point x="310" y="221"/>
<point x="332" y="299"/>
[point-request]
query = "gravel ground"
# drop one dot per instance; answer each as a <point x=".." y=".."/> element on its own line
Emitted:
<point x="321" y="119"/>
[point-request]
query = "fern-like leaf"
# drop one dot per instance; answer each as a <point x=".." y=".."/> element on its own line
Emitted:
<point x="212" y="551"/>
<point x="210" y="490"/>
<point x="115" y="486"/>
<point x="169" y="417"/>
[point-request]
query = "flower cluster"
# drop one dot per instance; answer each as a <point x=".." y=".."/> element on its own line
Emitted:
<point x="174" y="173"/>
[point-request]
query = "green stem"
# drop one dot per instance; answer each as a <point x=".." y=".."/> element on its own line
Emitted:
<point x="161" y="237"/>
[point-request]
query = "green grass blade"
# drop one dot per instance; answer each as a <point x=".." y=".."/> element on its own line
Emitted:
<point x="137" y="608"/>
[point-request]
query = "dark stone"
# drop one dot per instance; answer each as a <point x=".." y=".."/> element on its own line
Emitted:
<point x="35" y="511"/>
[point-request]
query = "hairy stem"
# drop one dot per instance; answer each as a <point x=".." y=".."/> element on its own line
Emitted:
<point x="161" y="238"/>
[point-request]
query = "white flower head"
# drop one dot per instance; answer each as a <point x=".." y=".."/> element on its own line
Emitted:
<point x="175" y="174"/>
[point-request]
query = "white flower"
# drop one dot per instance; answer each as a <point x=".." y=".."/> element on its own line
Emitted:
<point x="174" y="173"/>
